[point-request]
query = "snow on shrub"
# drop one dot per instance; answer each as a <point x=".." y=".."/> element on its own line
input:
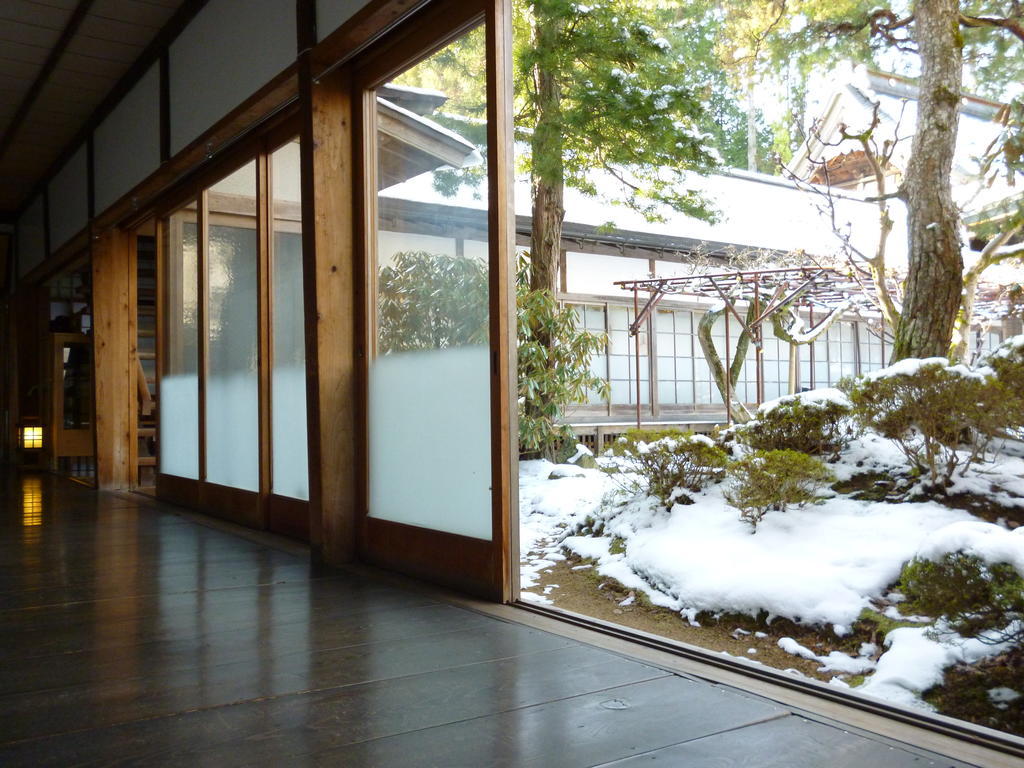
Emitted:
<point x="816" y="422"/>
<point x="941" y="416"/>
<point x="658" y="462"/>
<point x="971" y="575"/>
<point x="774" y="480"/>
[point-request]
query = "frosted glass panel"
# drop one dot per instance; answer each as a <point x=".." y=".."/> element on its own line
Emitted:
<point x="179" y="382"/>
<point x="430" y="454"/>
<point x="290" y="467"/>
<point x="232" y="394"/>
<point x="429" y="387"/>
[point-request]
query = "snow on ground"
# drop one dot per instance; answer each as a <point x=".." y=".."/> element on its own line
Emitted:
<point x="833" y="662"/>
<point x="818" y="565"/>
<point x="915" y="660"/>
<point x="548" y="507"/>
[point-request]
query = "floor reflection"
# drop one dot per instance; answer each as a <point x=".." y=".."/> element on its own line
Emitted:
<point x="31" y="500"/>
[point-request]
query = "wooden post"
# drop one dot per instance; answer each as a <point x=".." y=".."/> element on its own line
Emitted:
<point x="728" y="373"/>
<point x="114" y="350"/>
<point x="331" y="271"/>
<point x="758" y="342"/>
<point x="636" y="347"/>
<point x="502" y="254"/>
<point x="810" y="320"/>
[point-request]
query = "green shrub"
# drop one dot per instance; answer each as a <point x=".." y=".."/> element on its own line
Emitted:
<point x="975" y="599"/>
<point x="941" y="416"/>
<point x="774" y="480"/>
<point x="657" y="462"/>
<point x="431" y="301"/>
<point x="554" y="367"/>
<point x="818" y="423"/>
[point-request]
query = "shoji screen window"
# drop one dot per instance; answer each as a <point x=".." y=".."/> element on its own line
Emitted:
<point x="429" y="380"/>
<point x="592" y="318"/>
<point x="675" y="342"/>
<point x="289" y="467"/>
<point x="871" y="348"/>
<point x="774" y="365"/>
<point x="232" y="423"/>
<point x="179" y="383"/>
<point x="232" y="382"/>
<point x="622" y="358"/>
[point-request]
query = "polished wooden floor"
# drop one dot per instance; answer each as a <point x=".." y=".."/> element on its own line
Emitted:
<point x="133" y="635"/>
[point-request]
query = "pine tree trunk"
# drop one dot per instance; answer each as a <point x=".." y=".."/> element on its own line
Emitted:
<point x="548" y="171"/>
<point x="548" y="195"/>
<point x="935" y="265"/>
<point x="738" y="357"/>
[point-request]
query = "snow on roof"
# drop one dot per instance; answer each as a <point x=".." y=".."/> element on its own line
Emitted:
<point x="472" y="154"/>
<point x="412" y="89"/>
<point x="756" y="211"/>
<point x="851" y="103"/>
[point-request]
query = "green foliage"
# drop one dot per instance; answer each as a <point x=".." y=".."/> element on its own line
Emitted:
<point x="435" y="301"/>
<point x="554" y="366"/>
<point x="661" y="463"/>
<point x="820" y="428"/>
<point x="774" y="480"/>
<point x="974" y="598"/>
<point x="698" y="32"/>
<point x="600" y="86"/>
<point x="942" y="417"/>
<point x="431" y="301"/>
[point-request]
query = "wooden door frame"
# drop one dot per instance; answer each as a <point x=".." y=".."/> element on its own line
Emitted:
<point x="261" y="509"/>
<point x="472" y="565"/>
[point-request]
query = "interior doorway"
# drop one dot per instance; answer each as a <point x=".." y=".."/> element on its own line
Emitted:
<point x="67" y="382"/>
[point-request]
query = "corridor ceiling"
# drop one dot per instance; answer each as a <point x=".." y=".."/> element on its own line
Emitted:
<point x="59" y="60"/>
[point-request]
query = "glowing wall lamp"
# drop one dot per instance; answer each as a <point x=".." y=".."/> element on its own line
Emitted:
<point x="31" y="437"/>
<point x="30" y="440"/>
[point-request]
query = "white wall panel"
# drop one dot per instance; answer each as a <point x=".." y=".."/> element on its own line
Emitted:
<point x="228" y="51"/>
<point x="69" y="199"/>
<point x="31" y="236"/>
<point x="331" y="14"/>
<point x="126" y="146"/>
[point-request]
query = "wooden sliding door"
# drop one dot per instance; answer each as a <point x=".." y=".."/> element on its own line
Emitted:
<point x="232" y="436"/>
<point x="434" y="225"/>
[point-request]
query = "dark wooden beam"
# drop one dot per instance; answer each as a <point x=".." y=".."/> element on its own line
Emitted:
<point x="46" y="221"/>
<point x="90" y="179"/>
<point x="369" y="23"/>
<point x="49" y="64"/>
<point x="252" y="115"/>
<point x="305" y="17"/>
<point x="149" y="56"/>
<point x="165" y="106"/>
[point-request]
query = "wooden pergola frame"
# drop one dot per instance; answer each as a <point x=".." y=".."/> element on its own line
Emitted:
<point x="812" y="286"/>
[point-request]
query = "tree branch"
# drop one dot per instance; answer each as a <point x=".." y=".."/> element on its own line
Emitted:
<point x="1013" y="26"/>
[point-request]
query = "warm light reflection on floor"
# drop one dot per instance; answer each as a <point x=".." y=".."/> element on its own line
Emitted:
<point x="31" y="500"/>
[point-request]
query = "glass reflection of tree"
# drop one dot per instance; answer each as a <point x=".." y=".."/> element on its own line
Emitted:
<point x="232" y="304"/>
<point x="188" y="338"/>
<point x="289" y="331"/>
<point x="431" y="301"/>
